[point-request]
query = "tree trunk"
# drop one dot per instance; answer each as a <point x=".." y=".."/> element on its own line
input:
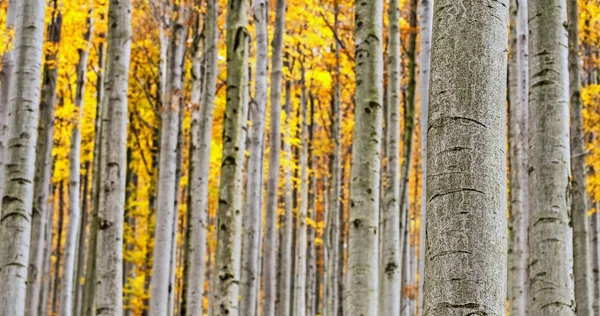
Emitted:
<point x="269" y="264"/>
<point x="391" y="268"/>
<point x="550" y="234"/>
<point x="113" y="162"/>
<point x="8" y="61"/>
<point x="89" y="288"/>
<point x="331" y="307"/>
<point x="301" y="236"/>
<point x="311" y="261"/>
<point x="81" y="250"/>
<point x="595" y="230"/>
<point x="201" y="134"/>
<point x="425" y="25"/>
<point x="518" y="276"/>
<point x="405" y="302"/>
<point x="229" y="213"/>
<point x="284" y="265"/>
<point x="163" y="240"/>
<point x="254" y="176"/>
<point x="58" y="254"/>
<point x="67" y="282"/>
<point x="579" y="219"/>
<point x="42" y="308"/>
<point x="465" y="262"/>
<point x="19" y="167"/>
<point x="365" y="171"/>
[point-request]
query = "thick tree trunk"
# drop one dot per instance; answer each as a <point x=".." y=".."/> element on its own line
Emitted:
<point x="254" y="176"/>
<point x="285" y="258"/>
<point x="579" y="219"/>
<point x="550" y="234"/>
<point x="363" y="260"/>
<point x="74" y="223"/>
<point x="269" y="264"/>
<point x="113" y="162"/>
<point x="425" y="25"/>
<point x="163" y="241"/>
<point x="8" y="61"/>
<point x="89" y="288"/>
<point x="518" y="276"/>
<point x="391" y="265"/>
<point x="201" y="134"/>
<point x="229" y="213"/>
<point x="19" y="168"/>
<point x="465" y="262"/>
<point x="330" y="308"/>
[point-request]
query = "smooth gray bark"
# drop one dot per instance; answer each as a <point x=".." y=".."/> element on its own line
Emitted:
<point x="465" y="261"/>
<point x="269" y="264"/>
<point x="109" y="259"/>
<point x="254" y="176"/>
<point x="550" y="234"/>
<point x="595" y="231"/>
<point x="363" y="232"/>
<point x="19" y="168"/>
<point x="229" y="214"/>
<point x="579" y="218"/>
<point x="201" y="134"/>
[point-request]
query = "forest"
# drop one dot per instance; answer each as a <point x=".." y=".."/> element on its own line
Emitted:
<point x="299" y="157"/>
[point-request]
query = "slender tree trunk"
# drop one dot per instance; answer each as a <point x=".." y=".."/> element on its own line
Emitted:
<point x="330" y="307"/>
<point x="229" y="214"/>
<point x="301" y="236"/>
<point x="405" y="303"/>
<point x="425" y="25"/>
<point x="19" y="167"/>
<point x="66" y="294"/>
<point x="81" y="249"/>
<point x="363" y="229"/>
<point x="595" y="230"/>
<point x="285" y="264"/>
<point x="113" y="162"/>
<point x="254" y="178"/>
<point x="89" y="288"/>
<point x="8" y="61"/>
<point x="311" y="261"/>
<point x="579" y="219"/>
<point x="43" y="162"/>
<point x="465" y="263"/>
<point x="269" y="264"/>
<point x="163" y="241"/>
<point x="390" y="274"/>
<point x="42" y="308"/>
<point x="550" y="234"/>
<point x="58" y="255"/>
<point x="518" y="277"/>
<point x="201" y="134"/>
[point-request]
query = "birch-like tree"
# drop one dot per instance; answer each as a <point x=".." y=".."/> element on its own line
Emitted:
<point x="201" y="134"/>
<point x="390" y="276"/>
<point x="161" y="272"/>
<point x="579" y="218"/>
<point x="550" y="234"/>
<point x="518" y="277"/>
<point x="465" y="261"/>
<point x="269" y="263"/>
<point x="23" y="114"/>
<point x="363" y="232"/>
<point x="229" y="214"/>
<point x="109" y="258"/>
<point x="255" y="170"/>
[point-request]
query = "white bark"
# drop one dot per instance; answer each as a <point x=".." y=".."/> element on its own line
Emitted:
<point x="254" y="175"/>
<point x="301" y="233"/>
<point x="163" y="241"/>
<point x="518" y="277"/>
<point x="269" y="264"/>
<point x="595" y="231"/>
<point x="465" y="261"/>
<point x="550" y="236"/>
<point x="5" y="75"/>
<point x="201" y="134"/>
<point x="19" y="168"/>
<point x="391" y="268"/>
<point x="425" y="25"/>
<point x="579" y="218"/>
<point x="229" y="214"/>
<point x="363" y="234"/>
<point x="109" y="257"/>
